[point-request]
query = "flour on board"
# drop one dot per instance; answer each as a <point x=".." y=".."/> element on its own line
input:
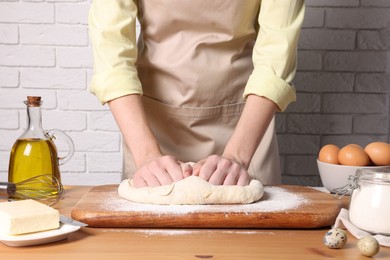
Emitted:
<point x="275" y="199"/>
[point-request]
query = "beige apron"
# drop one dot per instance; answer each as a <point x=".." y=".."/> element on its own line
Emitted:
<point x="194" y="61"/>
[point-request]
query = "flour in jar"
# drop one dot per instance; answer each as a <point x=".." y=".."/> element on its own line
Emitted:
<point x="370" y="208"/>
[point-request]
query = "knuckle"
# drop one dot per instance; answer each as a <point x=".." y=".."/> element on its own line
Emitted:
<point x="213" y="157"/>
<point x="166" y="158"/>
<point x="154" y="164"/>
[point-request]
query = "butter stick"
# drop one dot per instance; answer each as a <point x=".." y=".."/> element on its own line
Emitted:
<point x="27" y="216"/>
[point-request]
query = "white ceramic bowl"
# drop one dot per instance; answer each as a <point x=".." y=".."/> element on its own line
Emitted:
<point x="334" y="176"/>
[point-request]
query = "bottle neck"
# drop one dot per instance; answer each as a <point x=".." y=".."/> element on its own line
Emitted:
<point x="34" y="118"/>
<point x="34" y="123"/>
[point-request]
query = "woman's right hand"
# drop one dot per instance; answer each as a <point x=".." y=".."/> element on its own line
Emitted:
<point x="162" y="170"/>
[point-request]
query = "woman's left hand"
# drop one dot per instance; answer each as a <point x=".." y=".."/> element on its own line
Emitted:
<point x="220" y="170"/>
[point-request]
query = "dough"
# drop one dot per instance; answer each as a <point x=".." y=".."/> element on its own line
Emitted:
<point x="192" y="190"/>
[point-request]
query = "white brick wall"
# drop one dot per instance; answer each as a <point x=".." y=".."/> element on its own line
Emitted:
<point x="343" y="83"/>
<point x="45" y="50"/>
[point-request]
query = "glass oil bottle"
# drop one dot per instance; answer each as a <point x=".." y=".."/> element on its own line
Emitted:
<point x="34" y="152"/>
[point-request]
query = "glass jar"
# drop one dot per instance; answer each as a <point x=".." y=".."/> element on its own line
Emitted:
<point x="369" y="208"/>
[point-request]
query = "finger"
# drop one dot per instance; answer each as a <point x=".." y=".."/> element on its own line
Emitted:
<point x="151" y="180"/>
<point x="186" y="169"/>
<point x="219" y="175"/>
<point x="208" y="168"/>
<point x="166" y="169"/>
<point x="231" y="178"/>
<point x="139" y="183"/>
<point x="196" y="167"/>
<point x="224" y="169"/>
<point x="156" y="174"/>
<point x="235" y="170"/>
<point x="164" y="178"/>
<point x="244" y="179"/>
<point x="238" y="176"/>
<point x="174" y="169"/>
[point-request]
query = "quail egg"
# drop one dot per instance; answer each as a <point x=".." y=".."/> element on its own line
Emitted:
<point x="335" y="238"/>
<point x="368" y="246"/>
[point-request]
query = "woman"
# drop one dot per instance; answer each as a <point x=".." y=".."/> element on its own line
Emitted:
<point x="202" y="84"/>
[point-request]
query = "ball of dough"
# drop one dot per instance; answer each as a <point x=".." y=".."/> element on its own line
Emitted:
<point x="192" y="191"/>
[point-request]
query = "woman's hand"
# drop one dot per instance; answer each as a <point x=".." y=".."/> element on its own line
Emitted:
<point x="162" y="170"/>
<point x="220" y="170"/>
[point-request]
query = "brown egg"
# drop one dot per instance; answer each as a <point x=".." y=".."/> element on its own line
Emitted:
<point x="329" y="154"/>
<point x="356" y="145"/>
<point x="353" y="155"/>
<point x="379" y="153"/>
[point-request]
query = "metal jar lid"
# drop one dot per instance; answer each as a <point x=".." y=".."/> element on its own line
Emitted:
<point x="375" y="175"/>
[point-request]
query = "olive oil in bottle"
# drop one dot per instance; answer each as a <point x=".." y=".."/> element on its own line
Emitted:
<point x="31" y="157"/>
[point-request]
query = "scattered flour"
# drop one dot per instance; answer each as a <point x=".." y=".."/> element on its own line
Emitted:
<point x="184" y="232"/>
<point x="275" y="199"/>
<point x="177" y="232"/>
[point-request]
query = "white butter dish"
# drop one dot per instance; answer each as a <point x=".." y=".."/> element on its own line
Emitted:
<point x="38" y="238"/>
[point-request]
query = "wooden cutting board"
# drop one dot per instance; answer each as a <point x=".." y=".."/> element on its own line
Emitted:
<point x="282" y="206"/>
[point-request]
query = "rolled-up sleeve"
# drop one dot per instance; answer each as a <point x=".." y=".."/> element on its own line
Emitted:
<point x="112" y="28"/>
<point x="275" y="51"/>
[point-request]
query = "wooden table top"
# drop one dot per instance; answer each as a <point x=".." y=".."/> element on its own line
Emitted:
<point x="136" y="243"/>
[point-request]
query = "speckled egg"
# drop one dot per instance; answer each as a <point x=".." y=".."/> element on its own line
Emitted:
<point x="335" y="238"/>
<point x="368" y="246"/>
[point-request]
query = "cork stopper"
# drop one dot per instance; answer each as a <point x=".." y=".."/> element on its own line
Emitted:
<point x="33" y="101"/>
